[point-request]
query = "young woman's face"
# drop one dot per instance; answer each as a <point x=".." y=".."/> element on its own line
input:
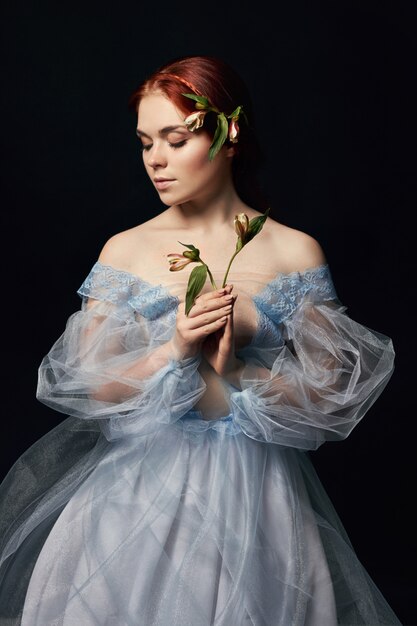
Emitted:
<point x="176" y="159"/>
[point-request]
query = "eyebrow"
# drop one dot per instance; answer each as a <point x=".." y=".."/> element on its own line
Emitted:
<point x="163" y="131"/>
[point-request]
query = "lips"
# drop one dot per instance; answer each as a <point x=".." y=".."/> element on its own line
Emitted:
<point x="163" y="183"/>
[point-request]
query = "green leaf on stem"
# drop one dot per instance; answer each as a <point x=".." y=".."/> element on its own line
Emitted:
<point x="189" y="246"/>
<point x="196" y="282"/>
<point x="194" y="255"/>
<point x="235" y="114"/>
<point x="256" y="225"/>
<point x="201" y="100"/>
<point x="220" y="135"/>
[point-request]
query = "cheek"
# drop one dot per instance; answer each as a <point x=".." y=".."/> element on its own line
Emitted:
<point x="195" y="161"/>
<point x="197" y="164"/>
<point x="196" y="152"/>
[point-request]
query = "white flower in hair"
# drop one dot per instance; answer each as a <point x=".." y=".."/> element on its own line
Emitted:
<point x="224" y="129"/>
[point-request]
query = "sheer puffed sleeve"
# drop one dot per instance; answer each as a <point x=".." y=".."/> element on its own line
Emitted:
<point x="113" y="362"/>
<point x="323" y="376"/>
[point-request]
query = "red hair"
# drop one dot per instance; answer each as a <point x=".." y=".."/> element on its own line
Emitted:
<point x="211" y="77"/>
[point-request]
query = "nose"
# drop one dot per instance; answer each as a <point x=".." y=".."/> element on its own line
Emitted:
<point x="156" y="157"/>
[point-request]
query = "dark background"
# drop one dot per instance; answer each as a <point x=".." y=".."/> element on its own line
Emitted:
<point x="334" y="93"/>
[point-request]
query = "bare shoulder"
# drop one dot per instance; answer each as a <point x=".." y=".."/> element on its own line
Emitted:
<point x="292" y="249"/>
<point x="122" y="249"/>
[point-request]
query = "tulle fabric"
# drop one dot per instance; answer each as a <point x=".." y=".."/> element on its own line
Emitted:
<point x="139" y="509"/>
<point x="320" y="384"/>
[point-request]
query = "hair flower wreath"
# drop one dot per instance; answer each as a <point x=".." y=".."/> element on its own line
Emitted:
<point x="227" y="125"/>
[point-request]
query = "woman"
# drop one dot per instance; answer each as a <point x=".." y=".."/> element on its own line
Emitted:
<point x="178" y="492"/>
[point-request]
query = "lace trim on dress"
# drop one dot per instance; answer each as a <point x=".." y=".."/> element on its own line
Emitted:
<point x="118" y="287"/>
<point x="281" y="296"/>
<point x="278" y="299"/>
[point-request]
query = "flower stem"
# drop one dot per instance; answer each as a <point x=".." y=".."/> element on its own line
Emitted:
<point x="228" y="268"/>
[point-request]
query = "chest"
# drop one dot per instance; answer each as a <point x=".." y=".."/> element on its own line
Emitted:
<point x="261" y="307"/>
<point x="218" y="255"/>
<point x="158" y="305"/>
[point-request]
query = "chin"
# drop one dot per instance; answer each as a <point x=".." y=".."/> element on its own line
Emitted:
<point x="167" y="198"/>
<point x="166" y="202"/>
<point x="171" y="199"/>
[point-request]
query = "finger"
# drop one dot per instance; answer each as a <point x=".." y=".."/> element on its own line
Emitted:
<point x="226" y="341"/>
<point x="207" y="317"/>
<point x="210" y="292"/>
<point x="206" y="305"/>
<point x="216" y="293"/>
<point x="208" y="329"/>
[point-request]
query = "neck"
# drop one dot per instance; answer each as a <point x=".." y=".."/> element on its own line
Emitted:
<point x="210" y="213"/>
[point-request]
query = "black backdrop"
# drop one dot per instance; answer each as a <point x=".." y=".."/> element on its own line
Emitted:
<point x="334" y="93"/>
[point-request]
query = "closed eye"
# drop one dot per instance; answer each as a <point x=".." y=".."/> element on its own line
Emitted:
<point x="178" y="144"/>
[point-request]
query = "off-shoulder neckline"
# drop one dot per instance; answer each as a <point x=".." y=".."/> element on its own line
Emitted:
<point x="279" y="276"/>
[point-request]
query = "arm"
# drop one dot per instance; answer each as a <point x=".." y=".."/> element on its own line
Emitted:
<point x="208" y="316"/>
<point x="320" y="388"/>
<point x="114" y="364"/>
<point x="322" y="379"/>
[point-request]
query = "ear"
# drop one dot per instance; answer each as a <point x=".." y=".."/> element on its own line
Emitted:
<point x="230" y="151"/>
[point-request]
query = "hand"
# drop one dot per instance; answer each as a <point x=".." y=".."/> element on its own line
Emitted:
<point x="208" y="315"/>
<point x="219" y="348"/>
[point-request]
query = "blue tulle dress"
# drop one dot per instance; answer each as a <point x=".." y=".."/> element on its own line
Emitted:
<point x="173" y="498"/>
